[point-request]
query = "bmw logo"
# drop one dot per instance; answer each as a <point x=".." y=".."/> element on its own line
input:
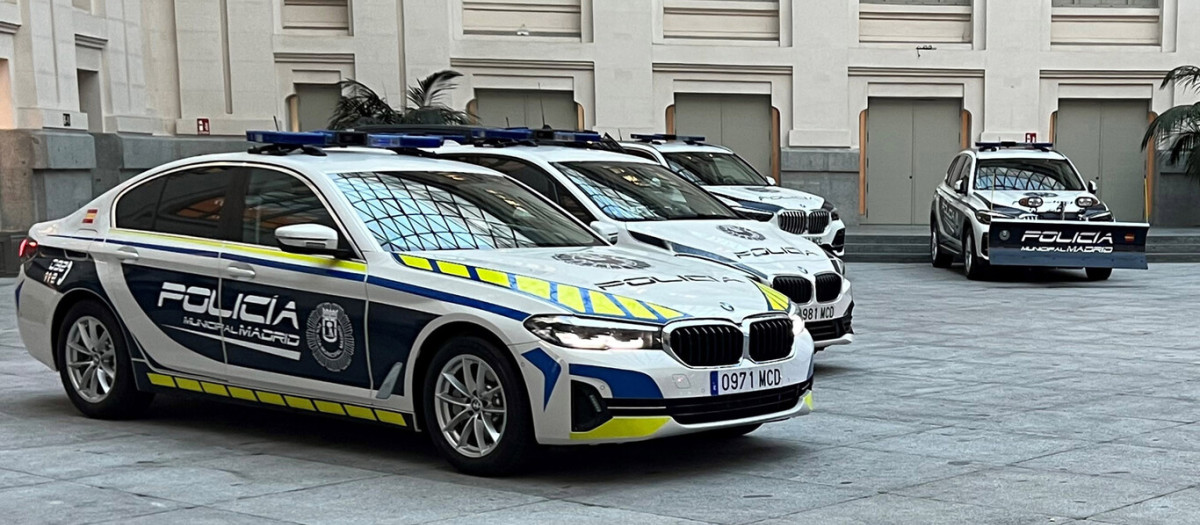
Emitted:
<point x="1004" y="235"/>
<point x="727" y="307"/>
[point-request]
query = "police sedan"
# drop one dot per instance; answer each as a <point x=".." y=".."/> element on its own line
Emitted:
<point x="400" y="290"/>
<point x="723" y="173"/>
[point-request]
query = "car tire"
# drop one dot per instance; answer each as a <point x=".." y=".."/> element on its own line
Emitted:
<point x="940" y="258"/>
<point x="976" y="269"/>
<point x="1098" y="274"/>
<point x="94" y="364"/>
<point x="456" y="412"/>
<point x="731" y="432"/>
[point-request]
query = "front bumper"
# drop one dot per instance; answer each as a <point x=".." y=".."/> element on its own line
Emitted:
<point x="585" y="396"/>
<point x="833" y="332"/>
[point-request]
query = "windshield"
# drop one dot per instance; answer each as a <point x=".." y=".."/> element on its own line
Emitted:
<point x="629" y="191"/>
<point x="1026" y="175"/>
<point x="715" y="169"/>
<point x="414" y="211"/>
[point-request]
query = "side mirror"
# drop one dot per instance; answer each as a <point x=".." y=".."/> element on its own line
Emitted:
<point x="960" y="186"/>
<point x="771" y="182"/>
<point x="313" y="239"/>
<point x="606" y="230"/>
<point x="1092" y="188"/>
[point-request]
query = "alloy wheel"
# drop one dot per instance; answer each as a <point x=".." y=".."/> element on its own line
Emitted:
<point x="470" y="406"/>
<point x="91" y="359"/>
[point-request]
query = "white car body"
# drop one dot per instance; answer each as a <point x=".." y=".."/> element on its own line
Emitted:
<point x="793" y="211"/>
<point x="963" y="215"/>
<point x="770" y="255"/>
<point x="164" y="289"/>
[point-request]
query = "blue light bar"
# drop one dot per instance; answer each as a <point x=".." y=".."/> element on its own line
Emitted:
<point x="503" y="134"/>
<point x="667" y="137"/>
<point x="290" y="138"/>
<point x="404" y="141"/>
<point x="577" y="136"/>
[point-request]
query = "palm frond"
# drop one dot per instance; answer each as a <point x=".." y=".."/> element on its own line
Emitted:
<point x="429" y="90"/>
<point x="1183" y="76"/>
<point x="360" y="105"/>
<point x="1177" y="133"/>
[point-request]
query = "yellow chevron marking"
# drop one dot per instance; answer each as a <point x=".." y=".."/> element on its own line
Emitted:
<point x="391" y="417"/>
<point x="534" y="286"/>
<point x="808" y="402"/>
<point x="571" y="297"/>
<point x="667" y="313"/>
<point x="299" y="402"/>
<point x="636" y="308"/>
<point x="214" y="389"/>
<point x="450" y="268"/>
<point x="329" y="408"/>
<point x="248" y="249"/>
<point x="360" y="412"/>
<point x="161" y="380"/>
<point x="624" y="428"/>
<point x="492" y="276"/>
<point x="189" y="384"/>
<point x="601" y="304"/>
<point x="242" y="393"/>
<point x="270" y="398"/>
<point x="417" y="262"/>
<point x="775" y="300"/>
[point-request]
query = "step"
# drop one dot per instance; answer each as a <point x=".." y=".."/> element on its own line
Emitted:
<point x="887" y="257"/>
<point x="1158" y="258"/>
<point x="888" y="248"/>
<point x="1157" y="247"/>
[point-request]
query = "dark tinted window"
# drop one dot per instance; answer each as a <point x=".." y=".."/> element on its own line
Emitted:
<point x="192" y="202"/>
<point x="641" y="153"/>
<point x="275" y="199"/>
<point x="527" y="174"/>
<point x="629" y="191"/>
<point x="136" y="208"/>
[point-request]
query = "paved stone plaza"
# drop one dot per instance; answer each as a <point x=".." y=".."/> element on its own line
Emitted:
<point x="1040" y="399"/>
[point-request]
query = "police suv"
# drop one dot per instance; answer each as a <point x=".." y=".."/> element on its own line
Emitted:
<point x="643" y="206"/>
<point x="724" y="174"/>
<point x="402" y="290"/>
<point x="1011" y="204"/>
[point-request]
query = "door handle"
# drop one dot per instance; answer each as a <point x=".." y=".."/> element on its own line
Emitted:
<point x="127" y="253"/>
<point x="239" y="271"/>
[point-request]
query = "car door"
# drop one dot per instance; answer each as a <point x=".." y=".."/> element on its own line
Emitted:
<point x="943" y="209"/>
<point x="298" y="321"/>
<point x="159" y="267"/>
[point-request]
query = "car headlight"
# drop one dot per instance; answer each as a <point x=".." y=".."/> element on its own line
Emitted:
<point x="986" y="216"/>
<point x="594" y="334"/>
<point x="793" y="313"/>
<point x="833" y="211"/>
<point x="757" y="215"/>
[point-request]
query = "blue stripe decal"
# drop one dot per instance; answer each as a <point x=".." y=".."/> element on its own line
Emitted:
<point x="550" y="372"/>
<point x="760" y="206"/>
<point x="339" y="274"/>
<point x="17" y="296"/>
<point x="614" y="300"/>
<point x="448" y="297"/>
<point x="625" y="384"/>
<point x="172" y="249"/>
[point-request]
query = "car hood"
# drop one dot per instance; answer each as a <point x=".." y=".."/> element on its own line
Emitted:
<point x="1051" y="199"/>
<point x="755" y="247"/>
<point x="693" y="288"/>
<point x="769" y="198"/>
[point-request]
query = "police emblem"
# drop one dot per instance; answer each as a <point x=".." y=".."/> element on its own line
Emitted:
<point x="743" y="232"/>
<point x="595" y="260"/>
<point x="330" y="336"/>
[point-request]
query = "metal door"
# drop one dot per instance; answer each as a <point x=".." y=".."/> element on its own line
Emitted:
<point x="1103" y="138"/>
<point x="741" y="123"/>
<point x="526" y="108"/>
<point x="909" y="142"/>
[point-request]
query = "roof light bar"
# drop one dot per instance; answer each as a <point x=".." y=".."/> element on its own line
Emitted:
<point x="667" y="137"/>
<point x="291" y="138"/>
<point x="503" y="134"/>
<point x="403" y="141"/>
<point x="567" y="136"/>
<point x="1008" y="144"/>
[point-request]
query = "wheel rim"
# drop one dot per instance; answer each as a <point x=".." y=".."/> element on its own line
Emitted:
<point x="933" y="245"/>
<point x="91" y="359"/>
<point x="470" y="406"/>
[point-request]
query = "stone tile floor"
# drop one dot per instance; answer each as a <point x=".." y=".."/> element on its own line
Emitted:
<point x="1038" y="398"/>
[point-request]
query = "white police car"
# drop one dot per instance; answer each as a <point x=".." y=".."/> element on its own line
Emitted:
<point x="643" y="206"/>
<point x="409" y="291"/>
<point x="723" y="173"/>
<point x="1016" y="204"/>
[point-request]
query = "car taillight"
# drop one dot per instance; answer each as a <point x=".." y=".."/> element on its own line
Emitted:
<point x="27" y="248"/>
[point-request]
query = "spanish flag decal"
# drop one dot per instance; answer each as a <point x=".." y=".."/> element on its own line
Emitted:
<point x="90" y="216"/>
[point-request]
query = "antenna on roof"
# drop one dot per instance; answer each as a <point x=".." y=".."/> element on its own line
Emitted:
<point x="620" y="136"/>
<point x="542" y="106"/>
<point x="276" y="119"/>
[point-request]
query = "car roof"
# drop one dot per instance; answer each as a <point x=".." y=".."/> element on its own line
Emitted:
<point x="679" y="147"/>
<point x="550" y="153"/>
<point x="1016" y="153"/>
<point x="343" y="160"/>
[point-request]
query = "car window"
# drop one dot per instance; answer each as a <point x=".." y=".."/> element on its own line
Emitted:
<point x="275" y="199"/>
<point x="415" y="211"/>
<point x="136" y="209"/>
<point x="717" y="169"/>
<point x="953" y="171"/>
<point x="572" y="205"/>
<point x="191" y="202"/>
<point x="634" y="191"/>
<point x="641" y="153"/>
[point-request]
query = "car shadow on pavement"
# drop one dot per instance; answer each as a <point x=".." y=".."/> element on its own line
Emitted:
<point x="829" y="369"/>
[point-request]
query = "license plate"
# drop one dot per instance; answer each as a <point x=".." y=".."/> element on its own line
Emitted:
<point x="816" y="239"/>
<point x="816" y="313"/>
<point x="745" y="380"/>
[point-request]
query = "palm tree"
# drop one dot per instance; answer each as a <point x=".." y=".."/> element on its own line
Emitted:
<point x="1177" y="130"/>
<point x="360" y="105"/>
